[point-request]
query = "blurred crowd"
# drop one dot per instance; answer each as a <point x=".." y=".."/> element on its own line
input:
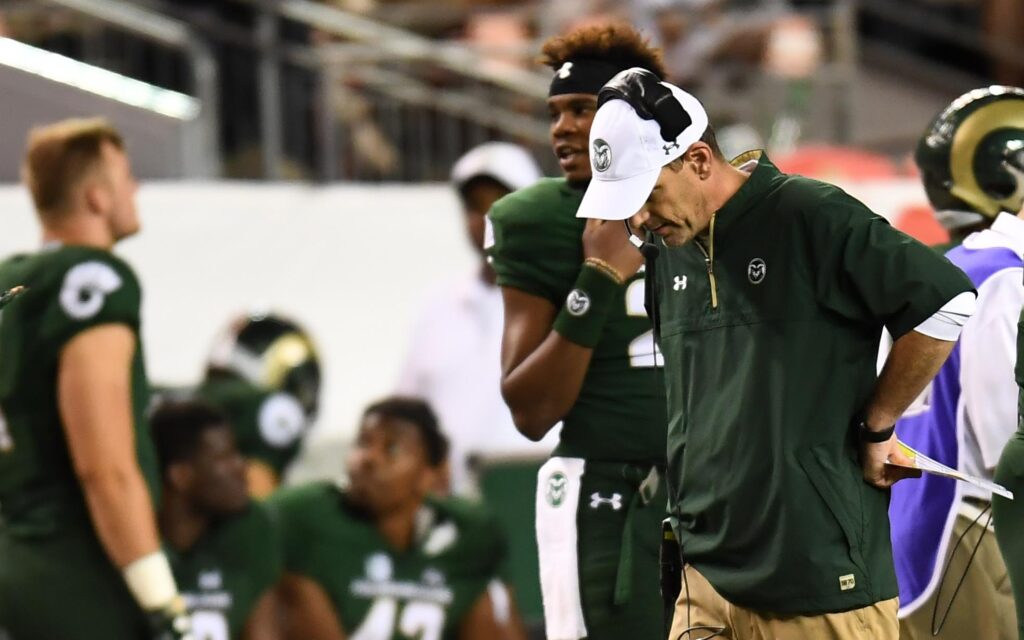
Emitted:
<point x="744" y="41"/>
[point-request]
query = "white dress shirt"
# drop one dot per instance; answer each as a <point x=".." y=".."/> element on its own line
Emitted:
<point x="454" y="363"/>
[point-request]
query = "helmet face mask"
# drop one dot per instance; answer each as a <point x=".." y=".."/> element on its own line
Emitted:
<point x="272" y="353"/>
<point x="972" y="156"/>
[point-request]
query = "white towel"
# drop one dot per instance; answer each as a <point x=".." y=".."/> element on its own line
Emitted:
<point x="558" y="496"/>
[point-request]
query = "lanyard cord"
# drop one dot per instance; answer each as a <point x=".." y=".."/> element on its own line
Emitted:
<point x="963" y="576"/>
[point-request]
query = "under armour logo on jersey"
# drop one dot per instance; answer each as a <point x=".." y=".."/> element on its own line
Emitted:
<point x="669" y="147"/>
<point x="615" y="501"/>
<point x="565" y="70"/>
<point x="678" y="283"/>
<point x="756" y="271"/>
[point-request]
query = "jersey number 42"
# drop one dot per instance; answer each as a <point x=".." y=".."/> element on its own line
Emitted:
<point x="418" y="621"/>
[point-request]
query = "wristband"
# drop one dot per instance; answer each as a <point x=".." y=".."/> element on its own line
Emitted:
<point x="605" y="268"/>
<point x="870" y="435"/>
<point x="586" y="308"/>
<point x="151" y="582"/>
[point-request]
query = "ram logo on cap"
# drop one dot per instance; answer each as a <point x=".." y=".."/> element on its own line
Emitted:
<point x="602" y="155"/>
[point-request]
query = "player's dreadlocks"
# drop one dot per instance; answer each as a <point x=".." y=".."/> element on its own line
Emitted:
<point x="619" y="44"/>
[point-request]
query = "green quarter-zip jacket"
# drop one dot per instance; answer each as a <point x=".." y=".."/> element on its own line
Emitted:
<point x="770" y="326"/>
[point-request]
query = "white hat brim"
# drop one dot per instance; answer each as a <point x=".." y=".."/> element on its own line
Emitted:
<point x="617" y="199"/>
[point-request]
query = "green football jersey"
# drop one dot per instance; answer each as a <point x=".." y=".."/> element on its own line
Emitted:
<point x="224" y="574"/>
<point x="70" y="289"/>
<point x="381" y="592"/>
<point x="536" y="247"/>
<point x="268" y="425"/>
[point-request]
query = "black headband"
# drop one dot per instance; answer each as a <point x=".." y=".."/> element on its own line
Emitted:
<point x="582" y="75"/>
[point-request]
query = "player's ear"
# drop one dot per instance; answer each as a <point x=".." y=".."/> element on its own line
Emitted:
<point x="95" y="194"/>
<point x="179" y="476"/>
<point x="436" y="481"/>
<point x="700" y="157"/>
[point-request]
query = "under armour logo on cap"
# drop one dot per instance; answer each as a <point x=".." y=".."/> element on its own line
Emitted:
<point x="670" y="146"/>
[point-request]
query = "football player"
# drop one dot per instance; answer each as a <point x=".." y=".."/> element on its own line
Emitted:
<point x="264" y="373"/>
<point x="223" y="547"/>
<point x="969" y="181"/>
<point x="578" y="348"/>
<point x="972" y="163"/>
<point x="80" y="554"/>
<point x="381" y="560"/>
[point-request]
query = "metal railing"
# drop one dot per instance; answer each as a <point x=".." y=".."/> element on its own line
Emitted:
<point x="369" y="101"/>
<point x="419" y="128"/>
<point x="154" y="27"/>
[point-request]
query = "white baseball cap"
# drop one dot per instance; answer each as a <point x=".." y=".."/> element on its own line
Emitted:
<point x="627" y="153"/>
<point x="508" y="163"/>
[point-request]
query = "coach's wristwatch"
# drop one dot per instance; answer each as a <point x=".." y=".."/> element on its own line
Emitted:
<point x="867" y="434"/>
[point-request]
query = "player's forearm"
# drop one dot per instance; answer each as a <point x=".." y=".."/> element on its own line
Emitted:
<point x="264" y="621"/>
<point x="307" y="611"/>
<point x="121" y="511"/>
<point x="913" y="362"/>
<point x="542" y="389"/>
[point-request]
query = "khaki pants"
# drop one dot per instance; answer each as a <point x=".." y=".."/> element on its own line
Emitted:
<point x="984" y="606"/>
<point x="710" y="613"/>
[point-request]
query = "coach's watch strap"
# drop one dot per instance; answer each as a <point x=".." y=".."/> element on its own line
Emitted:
<point x="867" y="434"/>
<point x="587" y="306"/>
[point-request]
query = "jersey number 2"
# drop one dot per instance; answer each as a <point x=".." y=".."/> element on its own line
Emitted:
<point x="6" y="441"/>
<point x="643" y="351"/>
<point x="419" y="621"/>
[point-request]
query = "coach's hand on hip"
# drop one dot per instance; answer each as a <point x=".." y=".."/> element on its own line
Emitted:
<point x="873" y="456"/>
<point x="608" y="241"/>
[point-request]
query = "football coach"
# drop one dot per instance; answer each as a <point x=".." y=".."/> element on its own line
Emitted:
<point x="770" y="295"/>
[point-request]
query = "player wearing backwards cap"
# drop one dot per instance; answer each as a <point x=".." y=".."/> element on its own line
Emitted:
<point x="80" y="556"/>
<point x="973" y="169"/>
<point x="772" y="292"/>
<point x="577" y="348"/>
<point x="453" y="362"/>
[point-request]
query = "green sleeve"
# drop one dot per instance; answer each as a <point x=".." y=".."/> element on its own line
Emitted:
<point x="867" y="271"/>
<point x="95" y="289"/>
<point x="534" y="240"/>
